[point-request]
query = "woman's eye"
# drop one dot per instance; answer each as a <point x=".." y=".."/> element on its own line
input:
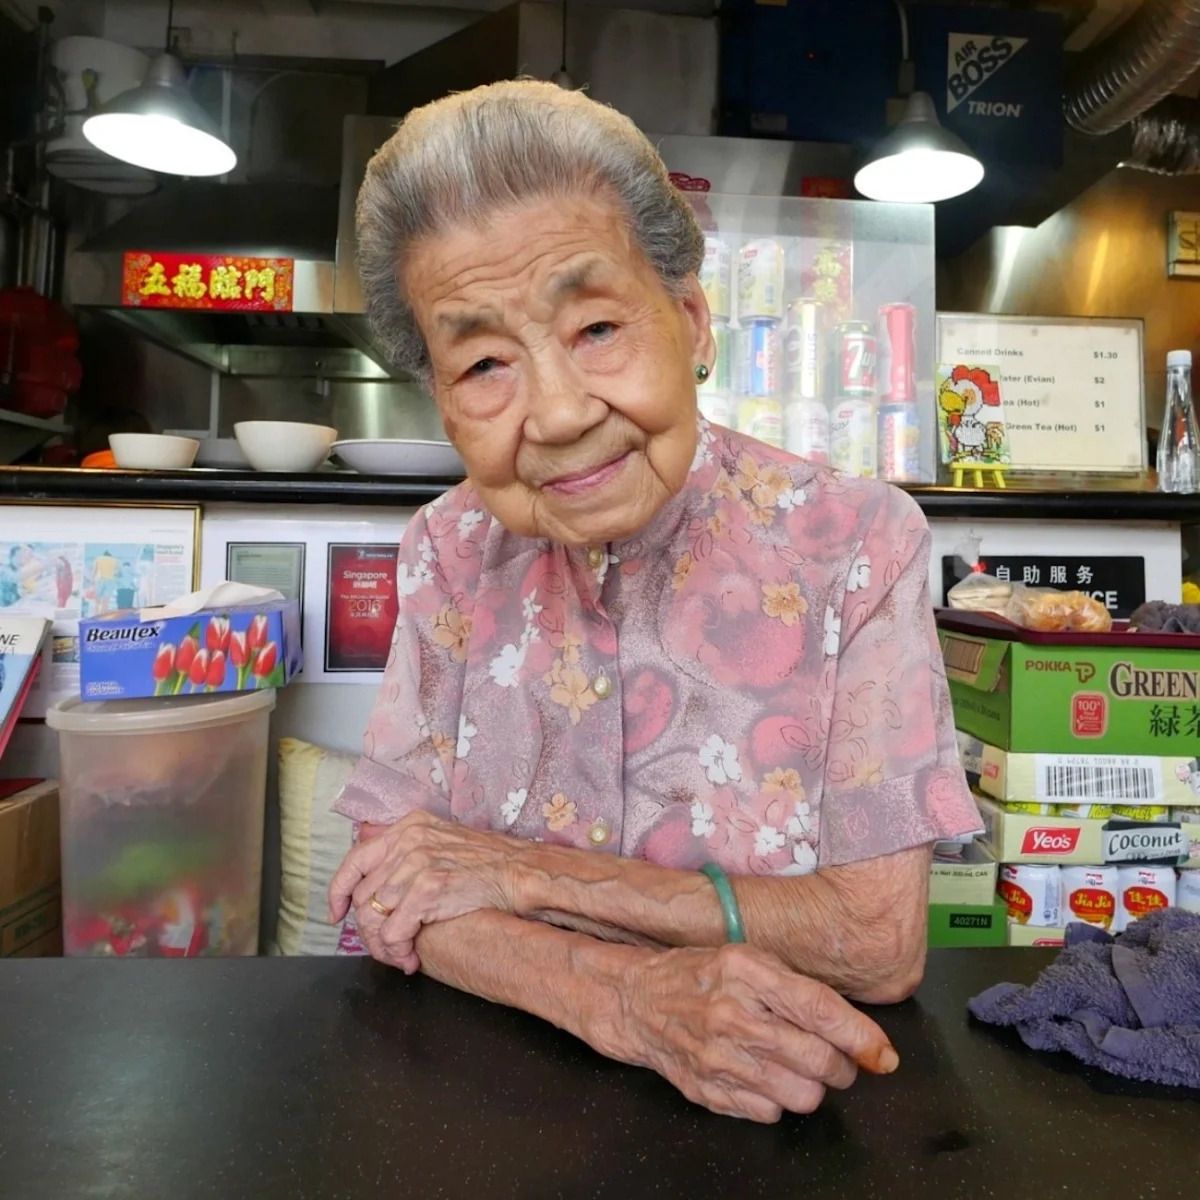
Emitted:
<point x="598" y="331"/>
<point x="485" y="366"/>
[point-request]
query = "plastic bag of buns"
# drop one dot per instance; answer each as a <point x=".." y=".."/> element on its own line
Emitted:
<point x="1044" y="609"/>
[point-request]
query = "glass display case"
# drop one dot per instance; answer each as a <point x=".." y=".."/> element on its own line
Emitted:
<point x="823" y="317"/>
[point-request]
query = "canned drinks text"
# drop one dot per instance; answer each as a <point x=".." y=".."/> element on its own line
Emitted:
<point x="761" y="418"/>
<point x="760" y="272"/>
<point x="802" y="350"/>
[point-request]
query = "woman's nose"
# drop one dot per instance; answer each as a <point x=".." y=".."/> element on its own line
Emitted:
<point x="559" y="409"/>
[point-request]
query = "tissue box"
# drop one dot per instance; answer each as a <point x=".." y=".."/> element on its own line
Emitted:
<point x="229" y="649"/>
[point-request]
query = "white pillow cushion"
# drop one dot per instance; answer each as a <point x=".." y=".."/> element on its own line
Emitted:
<point x="314" y="840"/>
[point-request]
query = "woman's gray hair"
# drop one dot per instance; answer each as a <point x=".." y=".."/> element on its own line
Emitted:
<point x="459" y="159"/>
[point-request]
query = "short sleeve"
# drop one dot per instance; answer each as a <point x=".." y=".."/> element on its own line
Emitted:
<point x="893" y="779"/>
<point x="409" y="747"/>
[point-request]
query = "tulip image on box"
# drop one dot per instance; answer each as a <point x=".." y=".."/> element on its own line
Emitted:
<point x="231" y="649"/>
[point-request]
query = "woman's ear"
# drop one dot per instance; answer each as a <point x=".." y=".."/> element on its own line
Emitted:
<point x="695" y="307"/>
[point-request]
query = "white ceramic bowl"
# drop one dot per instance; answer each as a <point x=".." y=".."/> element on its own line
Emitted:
<point x="400" y="456"/>
<point x="153" y="451"/>
<point x="284" y="445"/>
<point x="222" y="454"/>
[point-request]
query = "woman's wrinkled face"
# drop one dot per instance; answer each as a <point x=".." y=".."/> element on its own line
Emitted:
<point x="563" y="368"/>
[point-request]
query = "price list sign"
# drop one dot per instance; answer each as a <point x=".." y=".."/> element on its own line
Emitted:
<point x="1071" y="387"/>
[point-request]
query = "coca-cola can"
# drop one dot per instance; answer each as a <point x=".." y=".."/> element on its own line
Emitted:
<point x="856" y="351"/>
<point x="897" y="353"/>
<point x="802" y="350"/>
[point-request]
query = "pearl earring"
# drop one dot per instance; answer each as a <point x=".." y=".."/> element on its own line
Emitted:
<point x="701" y="372"/>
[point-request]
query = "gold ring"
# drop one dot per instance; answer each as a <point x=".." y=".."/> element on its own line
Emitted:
<point x="381" y="909"/>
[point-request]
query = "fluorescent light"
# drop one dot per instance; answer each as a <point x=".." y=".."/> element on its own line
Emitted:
<point x="919" y="162"/>
<point x="158" y="126"/>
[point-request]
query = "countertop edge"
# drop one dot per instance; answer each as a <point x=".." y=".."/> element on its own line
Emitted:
<point x="65" y="485"/>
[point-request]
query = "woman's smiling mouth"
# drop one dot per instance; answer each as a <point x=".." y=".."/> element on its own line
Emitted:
<point x="584" y="481"/>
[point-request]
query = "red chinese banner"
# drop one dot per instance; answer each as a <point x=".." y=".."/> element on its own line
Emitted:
<point x="213" y="282"/>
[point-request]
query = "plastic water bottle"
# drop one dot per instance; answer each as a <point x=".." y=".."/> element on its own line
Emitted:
<point x="1179" y="440"/>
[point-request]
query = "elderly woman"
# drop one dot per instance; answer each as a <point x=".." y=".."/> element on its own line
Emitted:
<point x="656" y="690"/>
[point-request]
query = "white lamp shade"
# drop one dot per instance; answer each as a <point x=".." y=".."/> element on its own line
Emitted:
<point x="158" y="126"/>
<point x="919" y="162"/>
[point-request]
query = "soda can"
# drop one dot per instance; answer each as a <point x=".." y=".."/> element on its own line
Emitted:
<point x="720" y="378"/>
<point x="853" y="437"/>
<point x="715" y="277"/>
<point x="716" y="407"/>
<point x="1031" y="893"/>
<point x="762" y="418"/>
<point x="898" y="353"/>
<point x="806" y="430"/>
<point x="1142" y="889"/>
<point x="1089" y="894"/>
<point x="802" y="350"/>
<point x="899" y="443"/>
<point x="856" y="349"/>
<point x="760" y="271"/>
<point x="758" y="359"/>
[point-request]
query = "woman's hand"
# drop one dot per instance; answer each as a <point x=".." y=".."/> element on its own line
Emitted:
<point x="739" y="1032"/>
<point x="423" y="869"/>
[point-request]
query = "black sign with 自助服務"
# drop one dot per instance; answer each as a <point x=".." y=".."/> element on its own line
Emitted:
<point x="1117" y="581"/>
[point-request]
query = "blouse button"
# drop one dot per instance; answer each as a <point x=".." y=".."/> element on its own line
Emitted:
<point x="595" y="558"/>
<point x="601" y="686"/>
<point x="599" y="833"/>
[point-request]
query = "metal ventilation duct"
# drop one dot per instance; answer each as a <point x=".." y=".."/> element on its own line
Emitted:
<point x="1154" y="52"/>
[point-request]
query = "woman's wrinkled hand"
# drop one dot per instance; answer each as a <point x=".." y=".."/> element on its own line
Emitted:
<point x="423" y="869"/>
<point x="740" y="1033"/>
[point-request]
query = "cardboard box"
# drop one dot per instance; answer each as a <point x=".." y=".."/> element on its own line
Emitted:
<point x="30" y="895"/>
<point x="972" y="881"/>
<point x="1020" y="838"/>
<point x="1074" y="699"/>
<point x="967" y="924"/>
<point x="1131" y="779"/>
<point x="1034" y="935"/>
<point x="231" y="649"/>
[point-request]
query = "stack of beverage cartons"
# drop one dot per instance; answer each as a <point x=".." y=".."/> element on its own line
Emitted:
<point x="793" y="370"/>
<point x="1085" y="762"/>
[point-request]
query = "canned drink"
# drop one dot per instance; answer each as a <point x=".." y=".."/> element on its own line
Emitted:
<point x="761" y="418"/>
<point x="758" y="359"/>
<point x="1031" y="893"/>
<point x="856" y="349"/>
<point x="715" y="277"/>
<point x="1089" y="894"/>
<point x="899" y="443"/>
<point x="1142" y="890"/>
<point x="760" y="272"/>
<point x="1142" y="812"/>
<point x="1189" y="890"/>
<point x="720" y="378"/>
<point x="853" y="437"/>
<point x="1084" y="812"/>
<point x="898" y="353"/>
<point x="716" y="407"/>
<point x="806" y="430"/>
<point x="802" y="350"/>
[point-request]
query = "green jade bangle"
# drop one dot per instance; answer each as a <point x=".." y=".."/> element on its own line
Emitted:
<point x="734" y="930"/>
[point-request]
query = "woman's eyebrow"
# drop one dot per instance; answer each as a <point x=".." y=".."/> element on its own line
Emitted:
<point x="577" y="278"/>
<point x="462" y="325"/>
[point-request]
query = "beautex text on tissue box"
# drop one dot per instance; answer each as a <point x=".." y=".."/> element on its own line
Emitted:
<point x="231" y="648"/>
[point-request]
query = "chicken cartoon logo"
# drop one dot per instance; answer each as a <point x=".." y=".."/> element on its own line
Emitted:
<point x="971" y="417"/>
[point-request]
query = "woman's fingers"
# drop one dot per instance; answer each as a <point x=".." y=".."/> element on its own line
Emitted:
<point x="359" y="862"/>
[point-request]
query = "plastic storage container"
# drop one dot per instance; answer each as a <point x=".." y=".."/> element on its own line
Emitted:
<point x="162" y="823"/>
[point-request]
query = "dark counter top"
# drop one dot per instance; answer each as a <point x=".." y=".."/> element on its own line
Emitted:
<point x="323" y="1078"/>
<point x="335" y="487"/>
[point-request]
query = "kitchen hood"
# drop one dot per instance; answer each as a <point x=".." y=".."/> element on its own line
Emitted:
<point x="322" y="333"/>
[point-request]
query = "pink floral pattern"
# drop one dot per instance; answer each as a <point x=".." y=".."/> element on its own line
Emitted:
<point x="753" y="679"/>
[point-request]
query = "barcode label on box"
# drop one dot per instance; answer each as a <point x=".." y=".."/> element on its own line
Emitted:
<point x="1098" y="778"/>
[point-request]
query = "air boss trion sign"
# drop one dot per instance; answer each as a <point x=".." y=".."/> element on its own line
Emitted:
<point x="996" y="77"/>
<point x="973" y="58"/>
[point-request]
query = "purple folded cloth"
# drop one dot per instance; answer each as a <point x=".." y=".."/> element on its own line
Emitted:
<point x="1129" y="1004"/>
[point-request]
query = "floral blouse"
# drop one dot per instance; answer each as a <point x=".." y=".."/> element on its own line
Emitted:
<point x="753" y="679"/>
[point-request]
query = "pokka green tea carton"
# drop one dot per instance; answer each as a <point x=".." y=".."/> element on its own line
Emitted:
<point x="1074" y="698"/>
<point x="228" y="648"/>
